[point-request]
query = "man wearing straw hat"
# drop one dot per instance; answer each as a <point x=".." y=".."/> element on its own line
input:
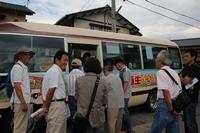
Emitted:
<point x="21" y="94"/>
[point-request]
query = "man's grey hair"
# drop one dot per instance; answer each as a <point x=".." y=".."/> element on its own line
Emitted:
<point x="164" y="57"/>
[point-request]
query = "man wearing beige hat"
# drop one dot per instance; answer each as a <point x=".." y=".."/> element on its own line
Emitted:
<point x="73" y="75"/>
<point x="21" y="95"/>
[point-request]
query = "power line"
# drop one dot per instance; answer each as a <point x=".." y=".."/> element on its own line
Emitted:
<point x="162" y="14"/>
<point x="172" y="11"/>
<point x="86" y="3"/>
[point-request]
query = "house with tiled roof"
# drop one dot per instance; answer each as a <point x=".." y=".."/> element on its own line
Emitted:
<point x="13" y="12"/>
<point x="99" y="19"/>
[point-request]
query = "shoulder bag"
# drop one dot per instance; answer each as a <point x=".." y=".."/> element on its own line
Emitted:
<point x="182" y="100"/>
<point x="81" y="123"/>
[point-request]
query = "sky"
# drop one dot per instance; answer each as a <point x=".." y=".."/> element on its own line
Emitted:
<point x="150" y="24"/>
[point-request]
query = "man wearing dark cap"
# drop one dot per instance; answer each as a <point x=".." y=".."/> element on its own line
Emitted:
<point x="21" y="95"/>
<point x="73" y="75"/>
<point x="189" y="114"/>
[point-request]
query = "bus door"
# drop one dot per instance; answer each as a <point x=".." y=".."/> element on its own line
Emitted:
<point x="81" y="51"/>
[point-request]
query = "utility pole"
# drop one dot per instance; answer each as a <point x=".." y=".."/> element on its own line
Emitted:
<point x="27" y="2"/>
<point x="113" y="16"/>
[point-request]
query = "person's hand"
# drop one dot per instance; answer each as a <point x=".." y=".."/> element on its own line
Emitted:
<point x="40" y="115"/>
<point x="24" y="107"/>
<point x="45" y="111"/>
<point x="181" y="113"/>
<point x="177" y="113"/>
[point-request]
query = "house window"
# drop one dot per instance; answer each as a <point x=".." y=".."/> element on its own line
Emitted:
<point x="101" y="27"/>
<point x="15" y="20"/>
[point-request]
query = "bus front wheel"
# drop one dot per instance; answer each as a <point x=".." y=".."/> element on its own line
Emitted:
<point x="150" y="104"/>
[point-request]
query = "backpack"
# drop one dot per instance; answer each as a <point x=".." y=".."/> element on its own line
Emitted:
<point x="9" y="86"/>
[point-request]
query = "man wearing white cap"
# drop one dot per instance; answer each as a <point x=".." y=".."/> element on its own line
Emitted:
<point x="21" y="95"/>
<point x="73" y="75"/>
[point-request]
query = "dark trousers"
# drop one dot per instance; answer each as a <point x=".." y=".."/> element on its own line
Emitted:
<point x="126" y="122"/>
<point x="72" y="103"/>
<point x="189" y="116"/>
<point x="5" y="121"/>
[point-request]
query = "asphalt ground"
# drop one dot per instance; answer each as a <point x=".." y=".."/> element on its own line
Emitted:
<point x="141" y="120"/>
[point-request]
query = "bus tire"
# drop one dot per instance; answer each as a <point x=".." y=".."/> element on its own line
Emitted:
<point x="150" y="105"/>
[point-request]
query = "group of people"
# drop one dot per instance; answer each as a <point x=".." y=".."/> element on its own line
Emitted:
<point x="109" y="112"/>
<point x="165" y="116"/>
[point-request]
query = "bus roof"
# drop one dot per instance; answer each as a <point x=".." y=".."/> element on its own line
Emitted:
<point x="49" y="29"/>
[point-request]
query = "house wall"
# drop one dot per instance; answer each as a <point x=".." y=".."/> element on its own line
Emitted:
<point x="13" y="16"/>
<point x="80" y="23"/>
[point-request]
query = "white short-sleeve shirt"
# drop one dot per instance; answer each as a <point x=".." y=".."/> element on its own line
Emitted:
<point x="54" y="79"/>
<point x="164" y="82"/>
<point x="71" y="80"/>
<point x="19" y="73"/>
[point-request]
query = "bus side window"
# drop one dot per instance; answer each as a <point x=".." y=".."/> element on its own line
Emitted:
<point x="176" y="58"/>
<point x="45" y="49"/>
<point x="149" y="56"/>
<point x="9" y="45"/>
<point x="129" y="52"/>
<point x="111" y="52"/>
<point x="131" y="55"/>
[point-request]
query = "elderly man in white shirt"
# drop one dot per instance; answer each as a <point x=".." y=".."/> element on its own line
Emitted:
<point x="165" y="116"/>
<point x="54" y="89"/>
<point x="22" y="94"/>
<point x="71" y="80"/>
<point x="115" y="101"/>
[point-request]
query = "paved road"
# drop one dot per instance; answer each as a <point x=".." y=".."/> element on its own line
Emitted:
<point x="141" y="120"/>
